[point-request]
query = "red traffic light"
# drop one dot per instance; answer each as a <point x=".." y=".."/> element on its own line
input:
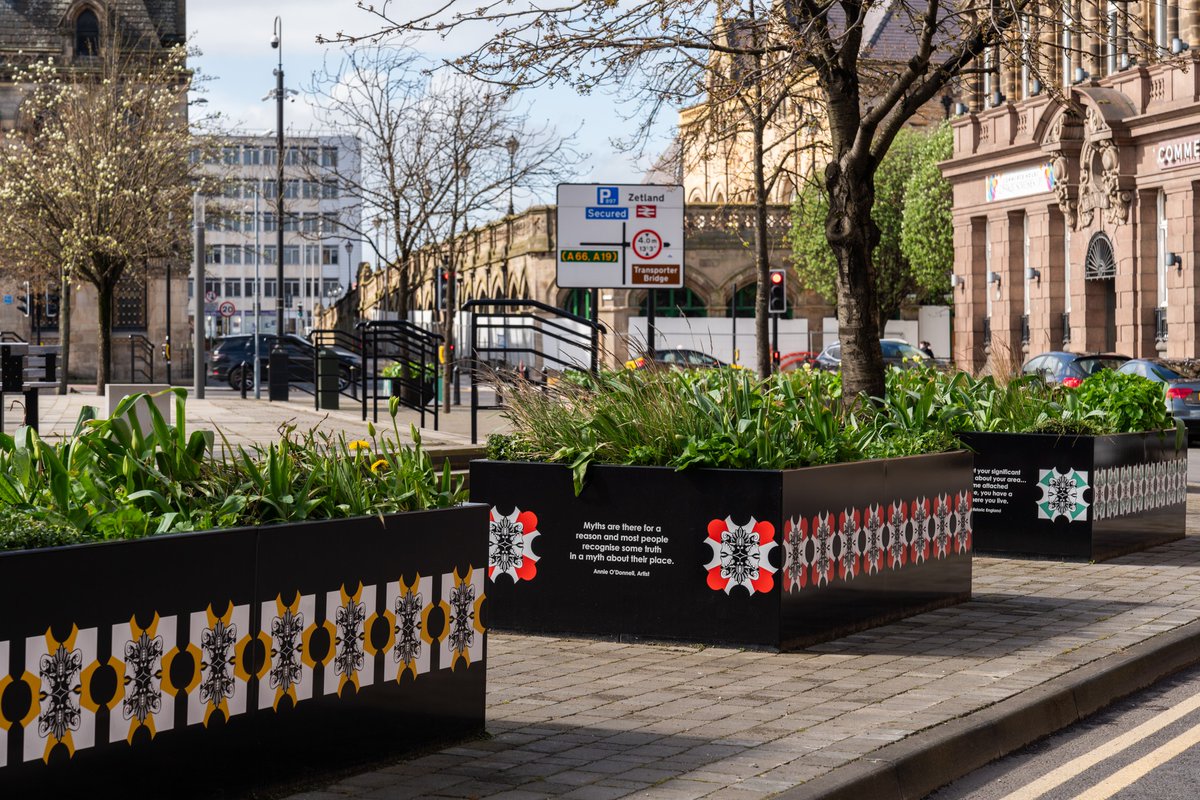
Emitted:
<point x="776" y="277"/>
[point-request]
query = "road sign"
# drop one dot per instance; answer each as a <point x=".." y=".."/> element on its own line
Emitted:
<point x="226" y="309"/>
<point x="210" y="297"/>
<point x="8" y="299"/>
<point x="620" y="236"/>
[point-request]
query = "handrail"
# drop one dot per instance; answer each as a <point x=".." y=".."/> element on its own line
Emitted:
<point x="141" y="358"/>
<point x="393" y="340"/>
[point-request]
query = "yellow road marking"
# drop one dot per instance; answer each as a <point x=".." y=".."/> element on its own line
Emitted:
<point x="1151" y="761"/>
<point x="1077" y="766"/>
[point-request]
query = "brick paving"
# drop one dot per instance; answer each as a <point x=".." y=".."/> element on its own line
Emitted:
<point x="592" y="719"/>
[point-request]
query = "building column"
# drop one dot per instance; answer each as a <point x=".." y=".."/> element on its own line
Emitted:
<point x="970" y="299"/>
<point x="1007" y="353"/>
<point x="1190" y="22"/>
<point x="1049" y="58"/>
<point x="1047" y="294"/>
<point x="1136" y="279"/>
<point x="1183" y="289"/>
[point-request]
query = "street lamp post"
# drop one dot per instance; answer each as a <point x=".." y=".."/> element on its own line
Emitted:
<point x="349" y="266"/>
<point x="278" y="360"/>
<point x="511" y="145"/>
<point x="257" y="304"/>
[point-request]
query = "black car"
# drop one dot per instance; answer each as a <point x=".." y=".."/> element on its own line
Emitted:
<point x="232" y="360"/>
<point x="1061" y="366"/>
<point x="896" y="353"/>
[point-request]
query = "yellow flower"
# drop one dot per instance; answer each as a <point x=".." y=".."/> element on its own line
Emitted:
<point x="380" y="464"/>
<point x="358" y="444"/>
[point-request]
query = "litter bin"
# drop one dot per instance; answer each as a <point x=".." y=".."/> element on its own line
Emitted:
<point x="327" y="380"/>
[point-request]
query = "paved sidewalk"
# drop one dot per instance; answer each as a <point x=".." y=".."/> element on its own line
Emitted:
<point x="579" y="718"/>
<point x="247" y="421"/>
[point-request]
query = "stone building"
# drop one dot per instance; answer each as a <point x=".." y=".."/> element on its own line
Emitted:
<point x="70" y="31"/>
<point x="1075" y="223"/>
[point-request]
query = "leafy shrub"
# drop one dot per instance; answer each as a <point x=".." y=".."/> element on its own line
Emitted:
<point x="112" y="480"/>
<point x="1128" y="402"/>
<point x="19" y="530"/>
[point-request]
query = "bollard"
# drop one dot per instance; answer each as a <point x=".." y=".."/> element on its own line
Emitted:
<point x="327" y="380"/>
<point x="277" y="366"/>
<point x="242" y="368"/>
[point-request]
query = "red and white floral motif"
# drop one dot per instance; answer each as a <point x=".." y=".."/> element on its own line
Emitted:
<point x="920" y="529"/>
<point x="741" y="555"/>
<point x="897" y="545"/>
<point x="941" y="526"/>
<point x="872" y="550"/>
<point x="962" y="513"/>
<point x="795" y="554"/>
<point x="848" y="526"/>
<point x="510" y="545"/>
<point x="823" y="564"/>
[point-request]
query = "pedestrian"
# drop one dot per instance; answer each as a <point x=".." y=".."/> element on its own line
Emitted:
<point x="926" y="348"/>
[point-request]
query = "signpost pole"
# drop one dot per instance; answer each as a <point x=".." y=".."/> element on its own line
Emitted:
<point x="651" y="307"/>
<point x="198" y="370"/>
<point x="595" y="331"/>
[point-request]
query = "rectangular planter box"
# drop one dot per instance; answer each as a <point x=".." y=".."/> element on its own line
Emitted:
<point x="1079" y="497"/>
<point x="237" y="656"/>
<point x="747" y="557"/>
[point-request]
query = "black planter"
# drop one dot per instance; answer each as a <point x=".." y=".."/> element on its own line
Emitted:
<point x="766" y="558"/>
<point x="227" y="658"/>
<point x="1078" y="497"/>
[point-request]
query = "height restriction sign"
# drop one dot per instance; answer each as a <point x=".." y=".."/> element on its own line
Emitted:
<point x="613" y="236"/>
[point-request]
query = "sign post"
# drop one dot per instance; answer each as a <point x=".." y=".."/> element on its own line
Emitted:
<point x="621" y="237"/>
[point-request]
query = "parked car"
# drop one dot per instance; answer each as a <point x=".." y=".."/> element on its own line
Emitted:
<point x="797" y="360"/>
<point x="232" y="360"/>
<point x="1183" y="393"/>
<point x="1070" y="369"/>
<point x="896" y="353"/>
<point x="678" y="358"/>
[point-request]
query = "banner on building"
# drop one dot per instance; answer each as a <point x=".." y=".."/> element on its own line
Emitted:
<point x="1020" y="183"/>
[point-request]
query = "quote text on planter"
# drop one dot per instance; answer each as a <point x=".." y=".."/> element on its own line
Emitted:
<point x="621" y="548"/>
<point x="994" y="489"/>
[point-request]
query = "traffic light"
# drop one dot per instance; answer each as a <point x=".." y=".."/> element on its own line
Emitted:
<point x="23" y="303"/>
<point x="777" y="292"/>
<point x="51" y="304"/>
<point x="443" y="288"/>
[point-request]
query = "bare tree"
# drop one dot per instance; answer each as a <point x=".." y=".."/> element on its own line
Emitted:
<point x="662" y="46"/>
<point x="94" y="182"/>
<point x="435" y="158"/>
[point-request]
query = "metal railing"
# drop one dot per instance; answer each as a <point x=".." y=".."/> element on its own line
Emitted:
<point x="512" y="338"/>
<point x="348" y="374"/>
<point x="987" y="331"/>
<point x="1066" y="328"/>
<point x="141" y="359"/>
<point x="1024" y="329"/>
<point x="11" y="336"/>
<point x="388" y="342"/>
<point x="1160" y="324"/>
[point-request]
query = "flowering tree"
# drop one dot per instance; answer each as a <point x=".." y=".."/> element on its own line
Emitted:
<point x="96" y="179"/>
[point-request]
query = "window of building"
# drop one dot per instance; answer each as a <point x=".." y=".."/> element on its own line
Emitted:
<point x="212" y="254"/>
<point x="291" y="287"/>
<point x="231" y="189"/>
<point x="329" y="190"/>
<point x="674" y="303"/>
<point x="251" y="156"/>
<point x="233" y="287"/>
<point x="212" y="286"/>
<point x="291" y="189"/>
<point x="1163" y="252"/>
<point x="293" y="157"/>
<point x="233" y="254"/>
<point x="309" y="223"/>
<point x="268" y="287"/>
<point x="87" y="33"/>
<point x="291" y="254"/>
<point x="329" y="157"/>
<point x="268" y="156"/>
<point x="311" y="156"/>
<point x="311" y="190"/>
<point x="329" y="255"/>
<point x="270" y="254"/>
<point x="328" y="223"/>
<point x="331" y="287"/>
<point x="270" y="187"/>
<point x="269" y="225"/>
<point x="310" y="254"/>
<point x="230" y="155"/>
<point x="291" y="223"/>
<point x="212" y="219"/>
<point x="249" y="287"/>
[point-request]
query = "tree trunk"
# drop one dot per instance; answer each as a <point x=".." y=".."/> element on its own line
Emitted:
<point x="104" y="301"/>
<point x="762" y="264"/>
<point x="852" y="236"/>
<point x="64" y="334"/>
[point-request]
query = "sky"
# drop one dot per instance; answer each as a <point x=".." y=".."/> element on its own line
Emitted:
<point x="236" y="57"/>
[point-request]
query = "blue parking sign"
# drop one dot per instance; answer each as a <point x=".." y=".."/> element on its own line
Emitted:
<point x="607" y="196"/>
<point x="8" y="299"/>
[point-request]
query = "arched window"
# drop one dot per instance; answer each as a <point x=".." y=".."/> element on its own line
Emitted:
<point x="579" y="303"/>
<point x="87" y="33"/>
<point x="675" y="303"/>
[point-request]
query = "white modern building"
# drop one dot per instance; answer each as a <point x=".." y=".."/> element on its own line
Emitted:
<point x="241" y="224"/>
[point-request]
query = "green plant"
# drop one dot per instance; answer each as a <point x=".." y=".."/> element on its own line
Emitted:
<point x="1128" y="402"/>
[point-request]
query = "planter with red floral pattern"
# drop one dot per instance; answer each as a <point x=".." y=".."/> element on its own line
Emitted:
<point x="770" y="558"/>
